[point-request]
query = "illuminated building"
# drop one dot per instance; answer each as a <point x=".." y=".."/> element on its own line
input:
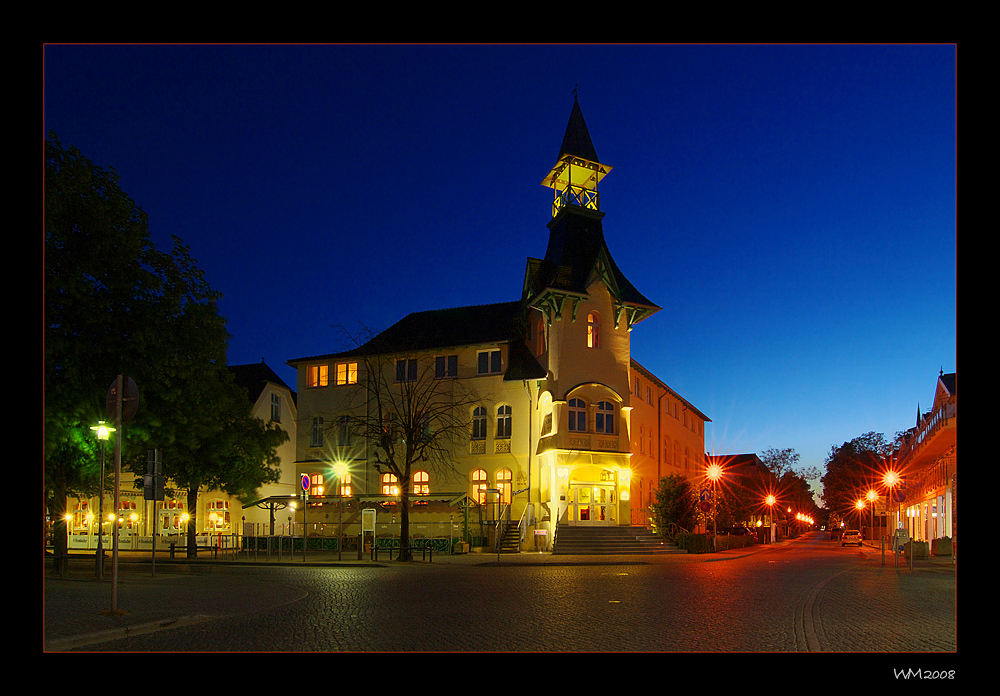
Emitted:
<point x="565" y="427"/>
<point x="928" y="461"/>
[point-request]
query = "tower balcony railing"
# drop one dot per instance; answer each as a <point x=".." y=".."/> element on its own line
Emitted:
<point x="576" y="195"/>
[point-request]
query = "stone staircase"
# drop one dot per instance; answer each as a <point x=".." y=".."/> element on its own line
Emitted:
<point x="607" y="541"/>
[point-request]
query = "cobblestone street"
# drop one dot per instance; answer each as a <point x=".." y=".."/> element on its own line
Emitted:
<point x="807" y="597"/>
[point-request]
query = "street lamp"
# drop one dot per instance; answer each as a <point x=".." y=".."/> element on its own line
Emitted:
<point x="340" y="471"/>
<point x="770" y="501"/>
<point x="103" y="432"/>
<point x="714" y="473"/>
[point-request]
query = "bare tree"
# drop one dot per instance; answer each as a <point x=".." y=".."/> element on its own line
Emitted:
<point x="414" y="416"/>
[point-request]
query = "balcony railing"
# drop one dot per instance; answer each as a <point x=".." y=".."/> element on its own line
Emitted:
<point x="938" y="420"/>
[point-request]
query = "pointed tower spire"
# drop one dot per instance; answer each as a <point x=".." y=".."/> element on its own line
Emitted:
<point x="577" y="170"/>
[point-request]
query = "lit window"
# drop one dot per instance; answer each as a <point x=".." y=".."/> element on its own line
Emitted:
<point x="217" y="512"/>
<point x="317" y="375"/>
<point x="406" y="370"/>
<point x="539" y="337"/>
<point x="479" y="485"/>
<point x="344" y="483"/>
<point x="577" y="415"/>
<point x="421" y="483"/>
<point x="390" y="484"/>
<point x="446" y="366"/>
<point x="504" y="479"/>
<point x="593" y="330"/>
<point x="503" y="421"/>
<point x="479" y="423"/>
<point x="316" y="439"/>
<point x="347" y="373"/>
<point x="605" y="421"/>
<point x="489" y="362"/>
<point x="316" y="484"/>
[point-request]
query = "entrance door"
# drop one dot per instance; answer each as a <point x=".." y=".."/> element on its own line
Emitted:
<point x="593" y="504"/>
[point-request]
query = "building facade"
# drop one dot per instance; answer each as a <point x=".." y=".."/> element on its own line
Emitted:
<point x="560" y="426"/>
<point x="928" y="460"/>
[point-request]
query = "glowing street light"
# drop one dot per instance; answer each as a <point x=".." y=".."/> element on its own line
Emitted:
<point x="770" y="501"/>
<point x="103" y="431"/>
<point x="714" y="473"/>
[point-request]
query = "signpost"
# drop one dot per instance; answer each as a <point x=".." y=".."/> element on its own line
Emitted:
<point x="153" y="489"/>
<point x="122" y="403"/>
<point x="305" y="504"/>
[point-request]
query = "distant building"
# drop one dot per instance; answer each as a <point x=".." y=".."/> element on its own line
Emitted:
<point x="218" y="513"/>
<point x="566" y="428"/>
<point x="928" y="461"/>
<point x="273" y="401"/>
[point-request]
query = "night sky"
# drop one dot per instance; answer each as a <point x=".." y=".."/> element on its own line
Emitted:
<point x="791" y="208"/>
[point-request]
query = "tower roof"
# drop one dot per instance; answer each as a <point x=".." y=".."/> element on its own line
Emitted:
<point x="577" y="140"/>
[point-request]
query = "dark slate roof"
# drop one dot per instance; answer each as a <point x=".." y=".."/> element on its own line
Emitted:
<point x="576" y="243"/>
<point x="454" y="327"/>
<point x="254" y="377"/>
<point x="650" y="376"/>
<point x="740" y="464"/>
<point x="950" y="382"/>
<point x="576" y="140"/>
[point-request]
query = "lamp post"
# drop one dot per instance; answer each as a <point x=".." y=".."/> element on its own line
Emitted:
<point x="891" y="479"/>
<point x="770" y="501"/>
<point x="340" y="471"/>
<point x="872" y="498"/>
<point x="103" y="432"/>
<point x="714" y="473"/>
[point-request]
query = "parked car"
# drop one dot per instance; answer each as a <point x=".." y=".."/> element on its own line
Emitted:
<point x="850" y="536"/>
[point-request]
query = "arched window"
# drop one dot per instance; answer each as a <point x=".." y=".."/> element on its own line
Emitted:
<point x="479" y="485"/>
<point x="503" y="421"/>
<point x="605" y="422"/>
<point x="577" y="415"/>
<point x="593" y="330"/>
<point x="504" y="479"/>
<point x="539" y="337"/>
<point x="421" y="483"/>
<point x="479" y="423"/>
<point x="390" y="484"/>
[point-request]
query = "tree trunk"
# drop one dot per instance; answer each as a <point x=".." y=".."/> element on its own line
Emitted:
<point x="60" y="544"/>
<point x="404" y="524"/>
<point x="192" y="523"/>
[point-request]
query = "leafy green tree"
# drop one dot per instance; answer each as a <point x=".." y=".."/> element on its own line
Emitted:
<point x="674" y="503"/>
<point x="115" y="304"/>
<point x="851" y="469"/>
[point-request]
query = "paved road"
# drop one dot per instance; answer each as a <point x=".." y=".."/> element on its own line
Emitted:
<point x="807" y="596"/>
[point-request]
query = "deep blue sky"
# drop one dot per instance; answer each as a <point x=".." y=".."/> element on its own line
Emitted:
<point x="791" y="208"/>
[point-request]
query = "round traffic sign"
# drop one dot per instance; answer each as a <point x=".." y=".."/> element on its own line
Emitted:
<point x="305" y="483"/>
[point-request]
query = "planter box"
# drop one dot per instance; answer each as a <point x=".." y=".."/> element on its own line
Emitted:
<point x="942" y="547"/>
<point x="921" y="549"/>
